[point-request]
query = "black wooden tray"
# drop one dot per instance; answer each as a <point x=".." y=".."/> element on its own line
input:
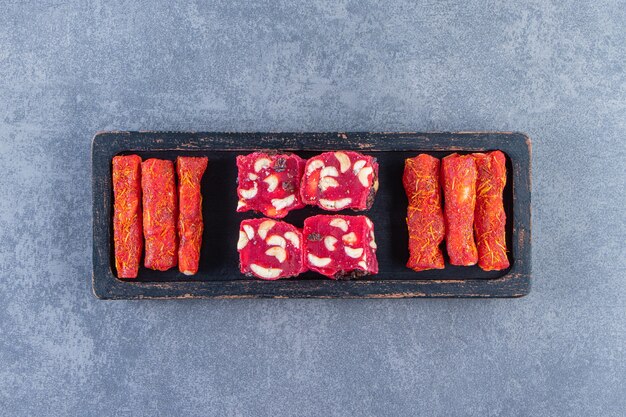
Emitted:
<point x="219" y="275"/>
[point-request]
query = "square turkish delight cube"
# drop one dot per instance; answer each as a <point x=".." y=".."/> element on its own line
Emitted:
<point x="340" y="180"/>
<point x="340" y="247"/>
<point x="269" y="183"/>
<point x="270" y="249"/>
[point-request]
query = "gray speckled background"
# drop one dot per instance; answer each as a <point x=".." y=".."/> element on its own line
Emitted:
<point x="556" y="71"/>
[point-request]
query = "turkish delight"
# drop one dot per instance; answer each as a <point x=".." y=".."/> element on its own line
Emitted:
<point x="340" y="247"/>
<point x="340" y="180"/>
<point x="270" y="249"/>
<point x="269" y="184"/>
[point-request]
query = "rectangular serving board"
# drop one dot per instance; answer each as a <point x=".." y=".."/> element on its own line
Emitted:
<point x="219" y="275"/>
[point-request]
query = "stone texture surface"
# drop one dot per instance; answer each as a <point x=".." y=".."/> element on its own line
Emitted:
<point x="553" y="69"/>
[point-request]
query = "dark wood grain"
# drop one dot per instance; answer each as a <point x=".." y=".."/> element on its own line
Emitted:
<point x="219" y="276"/>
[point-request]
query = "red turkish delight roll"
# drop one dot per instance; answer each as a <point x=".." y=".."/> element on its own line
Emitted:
<point x="340" y="247"/>
<point x="159" y="214"/>
<point x="270" y="249"/>
<point x="190" y="226"/>
<point x="340" y="180"/>
<point x="489" y="216"/>
<point x="127" y="233"/>
<point x="269" y="183"/>
<point x="424" y="214"/>
<point x="459" y="190"/>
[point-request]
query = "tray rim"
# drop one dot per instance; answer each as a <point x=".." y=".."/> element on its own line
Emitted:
<point x="516" y="283"/>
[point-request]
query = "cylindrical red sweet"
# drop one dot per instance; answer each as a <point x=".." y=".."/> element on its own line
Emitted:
<point x="459" y="190"/>
<point x="424" y="214"/>
<point x="489" y="216"/>
<point x="127" y="233"/>
<point x="159" y="214"/>
<point x="190" y="226"/>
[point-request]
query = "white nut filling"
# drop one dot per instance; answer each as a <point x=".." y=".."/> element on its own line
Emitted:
<point x="327" y="182"/>
<point x="340" y="223"/>
<point x="253" y="177"/>
<point x="268" y="273"/>
<point x="265" y="227"/>
<point x="373" y="244"/>
<point x="313" y="165"/>
<point x="364" y="176"/>
<point x="329" y="243"/>
<point x="329" y="172"/>
<point x="293" y="238"/>
<point x="277" y="252"/>
<point x="369" y="223"/>
<point x="341" y="203"/>
<point x="261" y="163"/>
<point x="349" y="239"/>
<point x="248" y="194"/>
<point x="249" y="231"/>
<point x="353" y="252"/>
<point x="363" y="265"/>
<point x="358" y="165"/>
<point x="335" y="204"/>
<point x="272" y="183"/>
<point x="276" y="240"/>
<point x="319" y="262"/>
<point x="243" y="240"/>
<point x="344" y="161"/>
<point x="241" y="204"/>
<point x="281" y="203"/>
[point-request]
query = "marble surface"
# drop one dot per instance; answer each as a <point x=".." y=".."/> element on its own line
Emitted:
<point x="555" y="70"/>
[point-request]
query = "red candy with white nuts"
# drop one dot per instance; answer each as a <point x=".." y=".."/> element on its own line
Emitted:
<point x="340" y="247"/>
<point x="270" y="249"/>
<point x="269" y="184"/>
<point x="340" y="180"/>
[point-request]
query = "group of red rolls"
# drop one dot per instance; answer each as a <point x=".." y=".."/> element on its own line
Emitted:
<point x="148" y="207"/>
<point x="472" y="221"/>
